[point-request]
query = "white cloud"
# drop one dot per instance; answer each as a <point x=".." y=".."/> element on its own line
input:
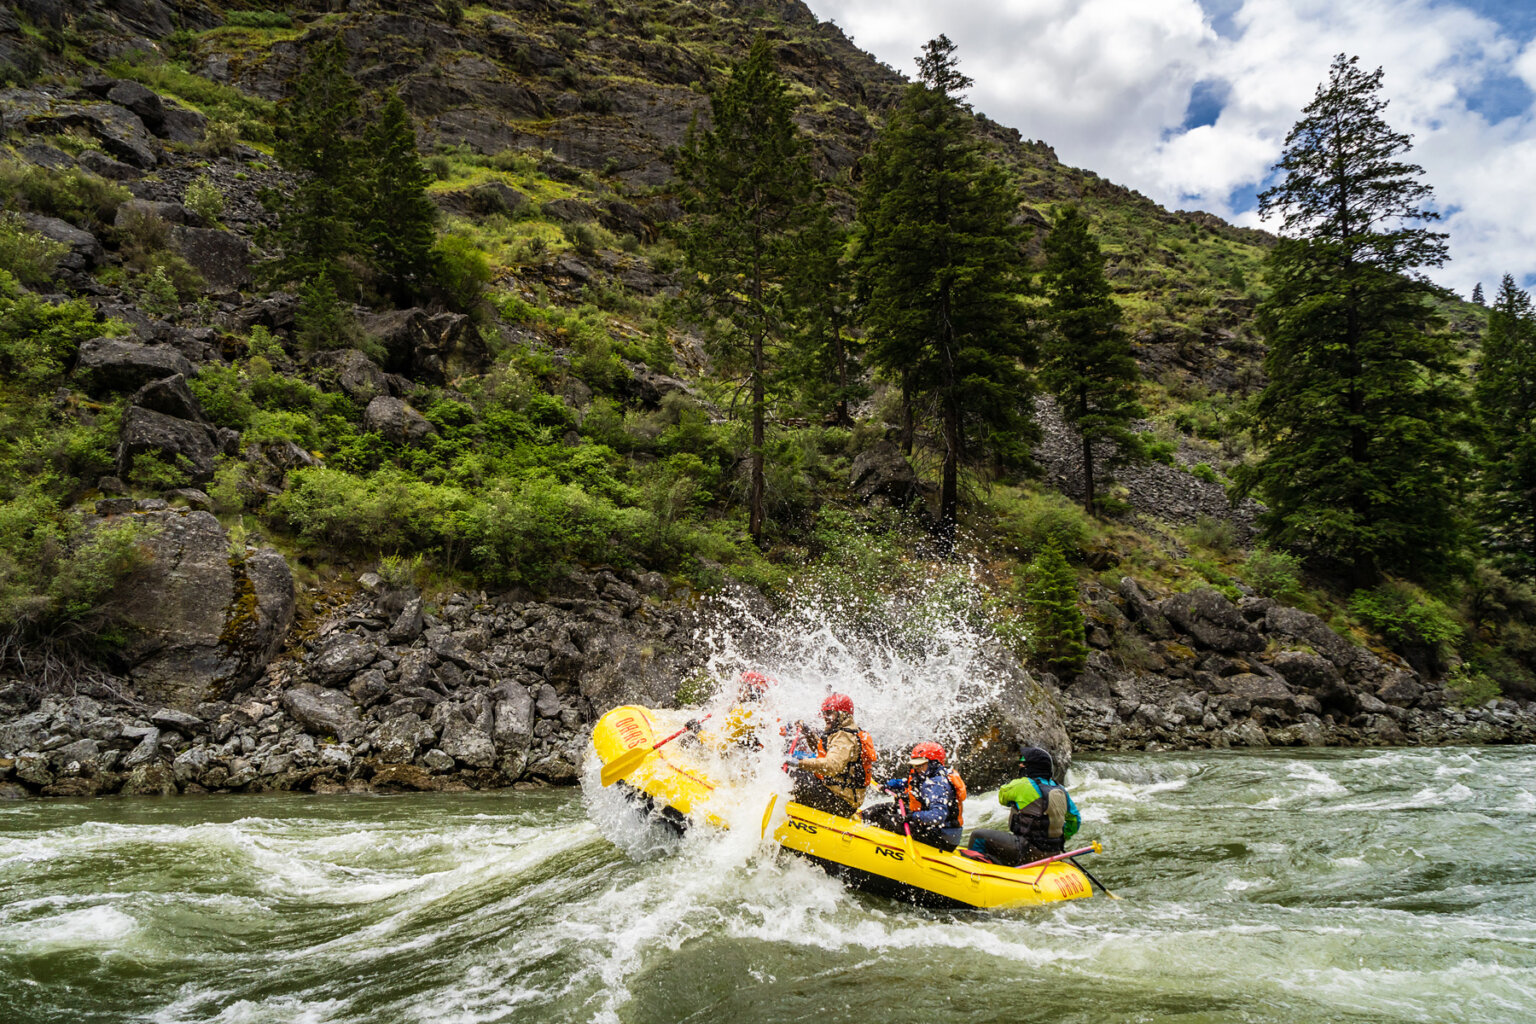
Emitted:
<point x="1108" y="82"/>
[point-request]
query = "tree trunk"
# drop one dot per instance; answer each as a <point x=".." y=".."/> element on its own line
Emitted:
<point x="949" y="496"/>
<point x="1088" y="502"/>
<point x="840" y="358"/>
<point x="908" y="427"/>
<point x="755" y="525"/>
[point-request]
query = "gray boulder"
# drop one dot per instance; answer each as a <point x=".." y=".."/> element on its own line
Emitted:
<point x="123" y="364"/>
<point x="223" y="258"/>
<point x="340" y="657"/>
<point x="464" y="731"/>
<point x="359" y="377"/>
<point x="186" y="444"/>
<point x="397" y="422"/>
<point x="323" y="712"/>
<point x="882" y="473"/>
<point x="1212" y="620"/>
<point x="201" y="624"/>
<point x="84" y="251"/>
<point x="401" y="737"/>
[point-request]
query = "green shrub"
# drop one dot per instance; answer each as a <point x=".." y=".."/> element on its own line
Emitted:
<point x="37" y="338"/>
<point x="1203" y="471"/>
<point x="27" y="255"/>
<point x="157" y="293"/>
<point x="1405" y="615"/>
<point x="258" y="19"/>
<point x="1273" y="573"/>
<point x="159" y="471"/>
<point x="463" y="271"/>
<point x="80" y="197"/>
<point x="1159" y="450"/>
<point x="220" y="138"/>
<point x="1218" y="535"/>
<point x="204" y="198"/>
<point x="1471" y="688"/>
<point x="223" y="395"/>
<point x="1045" y="518"/>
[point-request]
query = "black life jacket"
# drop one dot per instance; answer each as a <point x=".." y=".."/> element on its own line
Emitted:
<point x="1032" y="822"/>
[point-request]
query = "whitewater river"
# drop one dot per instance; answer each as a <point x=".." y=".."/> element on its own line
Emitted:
<point x="1366" y="886"/>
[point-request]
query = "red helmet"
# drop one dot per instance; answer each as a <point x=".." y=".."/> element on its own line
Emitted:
<point x="755" y="683"/>
<point x="837" y="702"/>
<point x="928" y="752"/>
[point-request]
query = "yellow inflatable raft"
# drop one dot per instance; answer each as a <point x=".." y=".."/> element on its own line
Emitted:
<point x="672" y="782"/>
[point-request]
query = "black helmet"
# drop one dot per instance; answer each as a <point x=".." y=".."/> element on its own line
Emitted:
<point x="1037" y="762"/>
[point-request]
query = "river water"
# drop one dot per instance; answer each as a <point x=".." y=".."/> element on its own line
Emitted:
<point x="1295" y="886"/>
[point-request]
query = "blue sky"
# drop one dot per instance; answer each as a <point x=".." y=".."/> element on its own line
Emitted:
<point x="1189" y="101"/>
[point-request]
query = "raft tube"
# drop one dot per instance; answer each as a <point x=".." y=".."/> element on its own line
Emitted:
<point x="672" y="783"/>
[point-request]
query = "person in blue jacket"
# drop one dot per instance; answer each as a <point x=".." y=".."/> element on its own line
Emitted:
<point x="929" y="801"/>
<point x="1042" y="819"/>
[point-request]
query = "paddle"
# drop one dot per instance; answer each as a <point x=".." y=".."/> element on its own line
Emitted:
<point x="1095" y="881"/>
<point x="901" y="805"/>
<point x="628" y="761"/>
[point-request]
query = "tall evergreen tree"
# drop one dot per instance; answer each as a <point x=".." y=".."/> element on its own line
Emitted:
<point x="317" y="141"/>
<point x="748" y="182"/>
<point x="1505" y="392"/>
<point x="824" y="358"/>
<point x="1477" y="293"/>
<point x="940" y="258"/>
<point x="1085" y="359"/>
<point x="397" y="217"/>
<point x="1359" y="463"/>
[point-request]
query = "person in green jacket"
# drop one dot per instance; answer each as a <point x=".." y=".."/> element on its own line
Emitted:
<point x="1042" y="819"/>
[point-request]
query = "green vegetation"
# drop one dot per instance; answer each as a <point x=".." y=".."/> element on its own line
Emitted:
<point x="1056" y="628"/>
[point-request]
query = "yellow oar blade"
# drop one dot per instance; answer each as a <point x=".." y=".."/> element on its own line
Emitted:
<point x="625" y="763"/>
<point x="768" y="814"/>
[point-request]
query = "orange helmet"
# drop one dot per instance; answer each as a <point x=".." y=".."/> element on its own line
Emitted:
<point x="928" y="752"/>
<point x="837" y="702"/>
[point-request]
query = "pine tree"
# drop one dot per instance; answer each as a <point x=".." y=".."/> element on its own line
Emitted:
<point x="748" y="182"/>
<point x="398" y="218"/>
<point x="1505" y="393"/>
<point x="940" y="258"/>
<point x="824" y="357"/>
<point x="1477" y="293"/>
<point x="1359" y="463"/>
<point x="317" y="141"/>
<point x="1056" y="628"/>
<point x="1085" y="359"/>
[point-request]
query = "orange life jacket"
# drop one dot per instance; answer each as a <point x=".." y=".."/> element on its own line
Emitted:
<point x="956" y="783"/>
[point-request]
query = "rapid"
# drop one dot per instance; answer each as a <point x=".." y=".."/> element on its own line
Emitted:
<point x="1277" y="886"/>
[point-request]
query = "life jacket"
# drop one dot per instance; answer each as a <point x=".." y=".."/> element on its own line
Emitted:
<point x="860" y="773"/>
<point x="1032" y="822"/>
<point x="958" y="785"/>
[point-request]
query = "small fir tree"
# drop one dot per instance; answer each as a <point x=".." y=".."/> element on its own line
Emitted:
<point x="1477" y="293"/>
<point x="1085" y="358"/>
<point x="317" y="142"/>
<point x="939" y="258"/>
<point x="398" y="218"/>
<point x="748" y="183"/>
<point x="1057" y="636"/>
<point x="1505" y="394"/>
<point x="1359" y="461"/>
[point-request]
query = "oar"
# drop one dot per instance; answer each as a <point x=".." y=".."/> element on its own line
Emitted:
<point x="1095" y="881"/>
<point x="628" y="761"/>
<point x="901" y="805"/>
<point x="1095" y="848"/>
<point x="768" y="814"/>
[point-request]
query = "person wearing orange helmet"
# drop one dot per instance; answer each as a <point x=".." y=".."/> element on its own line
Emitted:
<point x="929" y="800"/>
<point x="835" y="782"/>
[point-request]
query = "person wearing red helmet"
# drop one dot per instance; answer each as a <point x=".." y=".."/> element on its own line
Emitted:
<point x="744" y="720"/>
<point x="929" y="800"/>
<point x="835" y="781"/>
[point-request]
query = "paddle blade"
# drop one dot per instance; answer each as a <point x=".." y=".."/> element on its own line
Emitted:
<point x="768" y="814"/>
<point x="625" y="763"/>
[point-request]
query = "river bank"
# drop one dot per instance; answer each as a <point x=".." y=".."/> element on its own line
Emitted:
<point x="389" y="694"/>
<point x="1389" y="886"/>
